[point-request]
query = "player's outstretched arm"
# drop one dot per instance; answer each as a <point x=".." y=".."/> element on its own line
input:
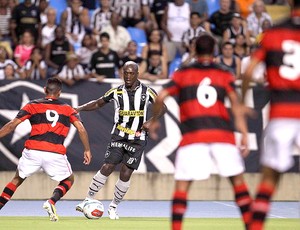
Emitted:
<point x="9" y="127"/>
<point x="91" y="105"/>
<point x="85" y="141"/>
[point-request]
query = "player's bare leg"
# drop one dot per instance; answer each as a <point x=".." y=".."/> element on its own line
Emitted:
<point x="10" y="189"/>
<point x="261" y="204"/>
<point x="242" y="197"/>
<point x="179" y="203"/>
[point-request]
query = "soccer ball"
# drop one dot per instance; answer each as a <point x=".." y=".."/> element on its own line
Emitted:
<point x="93" y="209"/>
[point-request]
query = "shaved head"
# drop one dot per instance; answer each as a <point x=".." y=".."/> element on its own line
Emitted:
<point x="53" y="86"/>
<point x="133" y="64"/>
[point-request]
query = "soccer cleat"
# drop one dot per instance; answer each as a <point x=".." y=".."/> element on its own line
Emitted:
<point x="112" y="213"/>
<point x="79" y="207"/>
<point x="50" y="208"/>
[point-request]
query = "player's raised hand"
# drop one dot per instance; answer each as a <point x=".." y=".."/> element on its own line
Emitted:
<point x="87" y="157"/>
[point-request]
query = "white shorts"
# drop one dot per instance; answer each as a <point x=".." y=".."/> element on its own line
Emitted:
<point x="197" y="161"/>
<point x="55" y="165"/>
<point x="280" y="138"/>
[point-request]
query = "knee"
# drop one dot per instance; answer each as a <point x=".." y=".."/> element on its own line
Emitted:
<point x="125" y="174"/>
<point x="107" y="169"/>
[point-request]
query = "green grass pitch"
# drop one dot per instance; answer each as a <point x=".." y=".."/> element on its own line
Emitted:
<point x="81" y="223"/>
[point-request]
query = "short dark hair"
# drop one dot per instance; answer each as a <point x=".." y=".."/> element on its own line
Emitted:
<point x="104" y="35"/>
<point x="53" y="86"/>
<point x="226" y="43"/>
<point x="205" y="44"/>
<point x="195" y="13"/>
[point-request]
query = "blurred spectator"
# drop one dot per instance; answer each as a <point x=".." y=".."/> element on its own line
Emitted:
<point x="101" y="17"/>
<point x="89" y="4"/>
<point x="26" y="16"/>
<point x="134" y="13"/>
<point x="155" y="44"/>
<point x="56" y="51"/>
<point x="105" y="61"/>
<point x="244" y="7"/>
<point x="219" y="21"/>
<point x="75" y="19"/>
<point x="43" y="5"/>
<point x="259" y="74"/>
<point x="241" y="48"/>
<point x="175" y="22"/>
<point x="12" y="4"/>
<point x="189" y="56"/>
<point x="5" y="16"/>
<point x="85" y="52"/>
<point x="256" y="18"/>
<point x="266" y="24"/>
<point x="35" y="68"/>
<point x="23" y="50"/>
<point x="49" y="28"/>
<point x="118" y="35"/>
<point x="237" y="26"/>
<point x="157" y="9"/>
<point x="199" y="6"/>
<point x="195" y="29"/>
<point x="131" y="54"/>
<point x="72" y="71"/>
<point x="10" y="72"/>
<point x="4" y="61"/>
<point x="153" y="69"/>
<point x="229" y="60"/>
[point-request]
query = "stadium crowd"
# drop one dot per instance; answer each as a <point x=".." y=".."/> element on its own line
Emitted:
<point x="94" y="38"/>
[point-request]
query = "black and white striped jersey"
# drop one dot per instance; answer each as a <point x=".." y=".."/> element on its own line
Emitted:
<point x="130" y="110"/>
<point x="128" y="8"/>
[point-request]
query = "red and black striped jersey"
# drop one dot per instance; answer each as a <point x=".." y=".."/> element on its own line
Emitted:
<point x="50" y="121"/>
<point x="280" y="50"/>
<point x="201" y="90"/>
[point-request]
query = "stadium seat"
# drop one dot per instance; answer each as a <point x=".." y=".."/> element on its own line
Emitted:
<point x="139" y="36"/>
<point x="60" y="6"/>
<point x="213" y="5"/>
<point x="174" y="65"/>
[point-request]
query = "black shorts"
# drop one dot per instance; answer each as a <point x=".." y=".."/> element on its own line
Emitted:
<point x="130" y="22"/>
<point x="129" y="152"/>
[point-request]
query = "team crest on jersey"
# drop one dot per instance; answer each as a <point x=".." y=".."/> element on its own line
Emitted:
<point x="143" y="97"/>
<point x="111" y="57"/>
<point x="13" y="96"/>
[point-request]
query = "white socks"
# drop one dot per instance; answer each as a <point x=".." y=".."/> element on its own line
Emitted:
<point x="96" y="184"/>
<point x="121" y="188"/>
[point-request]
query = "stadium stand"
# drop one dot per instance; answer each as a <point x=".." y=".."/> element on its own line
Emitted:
<point x="139" y="36"/>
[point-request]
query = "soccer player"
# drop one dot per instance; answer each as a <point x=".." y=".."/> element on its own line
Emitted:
<point x="207" y="134"/>
<point x="280" y="51"/>
<point x="50" y="119"/>
<point x="129" y="133"/>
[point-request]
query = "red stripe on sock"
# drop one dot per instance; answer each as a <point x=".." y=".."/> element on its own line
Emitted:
<point x="256" y="225"/>
<point x="68" y="183"/>
<point x="176" y="225"/>
<point x="62" y="188"/>
<point x="266" y="188"/>
<point x="180" y="195"/>
<point x="11" y="186"/>
<point x="240" y="188"/>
